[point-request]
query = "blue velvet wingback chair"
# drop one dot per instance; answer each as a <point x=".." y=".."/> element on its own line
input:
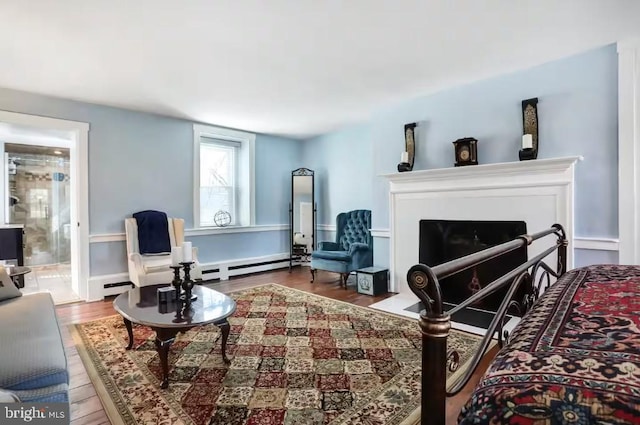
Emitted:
<point x="352" y="250"/>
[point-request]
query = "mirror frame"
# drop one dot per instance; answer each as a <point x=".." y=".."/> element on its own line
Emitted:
<point x="301" y="172"/>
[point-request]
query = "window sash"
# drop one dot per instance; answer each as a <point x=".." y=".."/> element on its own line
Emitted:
<point x="219" y="192"/>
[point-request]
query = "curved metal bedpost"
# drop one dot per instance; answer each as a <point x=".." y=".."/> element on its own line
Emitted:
<point x="424" y="283"/>
<point x="561" y="266"/>
<point x="435" y="328"/>
<point x="435" y="323"/>
<point x="495" y="326"/>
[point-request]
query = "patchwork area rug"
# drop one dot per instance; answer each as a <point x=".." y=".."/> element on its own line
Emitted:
<point x="297" y="358"/>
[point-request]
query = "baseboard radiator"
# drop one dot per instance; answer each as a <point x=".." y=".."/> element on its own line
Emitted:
<point x="211" y="272"/>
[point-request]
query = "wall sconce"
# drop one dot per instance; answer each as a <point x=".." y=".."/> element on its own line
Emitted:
<point x="408" y="156"/>
<point x="530" y="130"/>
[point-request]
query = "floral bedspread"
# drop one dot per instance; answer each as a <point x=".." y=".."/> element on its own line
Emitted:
<point x="574" y="359"/>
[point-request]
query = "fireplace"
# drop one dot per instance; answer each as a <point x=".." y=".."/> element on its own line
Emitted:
<point x="445" y="240"/>
<point x="538" y="193"/>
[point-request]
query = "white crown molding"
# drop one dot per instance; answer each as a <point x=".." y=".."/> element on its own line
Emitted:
<point x="628" y="44"/>
<point x="119" y="237"/>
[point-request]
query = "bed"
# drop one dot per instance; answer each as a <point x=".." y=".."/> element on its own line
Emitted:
<point x="574" y="358"/>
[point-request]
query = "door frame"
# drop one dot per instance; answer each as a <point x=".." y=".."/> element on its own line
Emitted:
<point x="79" y="184"/>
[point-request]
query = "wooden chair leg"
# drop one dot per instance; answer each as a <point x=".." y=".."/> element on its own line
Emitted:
<point x="313" y="274"/>
<point x="343" y="279"/>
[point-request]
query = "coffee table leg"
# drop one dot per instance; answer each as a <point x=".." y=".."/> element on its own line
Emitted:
<point x="164" y="339"/>
<point x="225" y="328"/>
<point x="127" y="324"/>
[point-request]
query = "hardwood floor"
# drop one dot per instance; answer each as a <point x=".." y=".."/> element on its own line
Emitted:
<point x="86" y="408"/>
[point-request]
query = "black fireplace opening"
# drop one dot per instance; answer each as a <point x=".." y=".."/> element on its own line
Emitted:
<point x="446" y="240"/>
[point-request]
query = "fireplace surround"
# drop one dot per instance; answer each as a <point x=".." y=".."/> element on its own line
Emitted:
<point x="534" y="192"/>
<point x="445" y="240"/>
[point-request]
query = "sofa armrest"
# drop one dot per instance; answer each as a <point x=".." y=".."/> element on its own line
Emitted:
<point x="328" y="246"/>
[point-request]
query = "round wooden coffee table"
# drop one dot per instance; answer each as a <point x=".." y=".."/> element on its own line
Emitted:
<point x="140" y="305"/>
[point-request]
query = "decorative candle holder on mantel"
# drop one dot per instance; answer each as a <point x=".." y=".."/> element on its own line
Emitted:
<point x="408" y="156"/>
<point x="530" y="142"/>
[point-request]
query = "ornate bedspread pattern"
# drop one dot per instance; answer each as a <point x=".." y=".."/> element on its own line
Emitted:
<point x="574" y="359"/>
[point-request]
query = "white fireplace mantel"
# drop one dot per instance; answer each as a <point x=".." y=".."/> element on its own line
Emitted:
<point x="539" y="192"/>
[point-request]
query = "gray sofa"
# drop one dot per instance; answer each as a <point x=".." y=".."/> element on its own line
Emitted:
<point x="33" y="364"/>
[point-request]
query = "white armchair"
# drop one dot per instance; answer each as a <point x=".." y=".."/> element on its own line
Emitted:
<point x="154" y="269"/>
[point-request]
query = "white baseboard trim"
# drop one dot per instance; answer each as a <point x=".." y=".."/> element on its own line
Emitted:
<point x="219" y="270"/>
<point x="118" y="237"/>
<point x="97" y="285"/>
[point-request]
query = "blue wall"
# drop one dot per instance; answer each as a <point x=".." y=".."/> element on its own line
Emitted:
<point x="139" y="161"/>
<point x="343" y="165"/>
<point x="578" y="114"/>
<point x="143" y="161"/>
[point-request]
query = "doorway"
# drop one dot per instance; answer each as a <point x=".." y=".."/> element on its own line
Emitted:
<point x="44" y="185"/>
<point x="37" y="183"/>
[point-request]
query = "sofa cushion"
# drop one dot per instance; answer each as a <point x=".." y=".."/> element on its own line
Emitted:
<point x="8" y="289"/>
<point x="58" y="393"/>
<point x="32" y="343"/>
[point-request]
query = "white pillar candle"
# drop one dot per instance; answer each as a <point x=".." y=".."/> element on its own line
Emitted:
<point x="527" y="141"/>
<point x="176" y="256"/>
<point x="404" y="157"/>
<point x="186" y="252"/>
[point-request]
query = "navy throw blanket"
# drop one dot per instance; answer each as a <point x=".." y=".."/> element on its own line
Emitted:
<point x="153" y="232"/>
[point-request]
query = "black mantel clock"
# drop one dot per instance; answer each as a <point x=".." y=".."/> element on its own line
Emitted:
<point x="466" y="151"/>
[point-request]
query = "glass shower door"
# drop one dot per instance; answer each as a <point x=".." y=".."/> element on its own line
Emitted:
<point x="39" y="198"/>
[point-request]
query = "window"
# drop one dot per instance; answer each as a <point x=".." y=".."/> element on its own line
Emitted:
<point x="223" y="176"/>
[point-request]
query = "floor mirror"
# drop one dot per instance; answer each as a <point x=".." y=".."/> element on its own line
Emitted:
<point x="302" y="217"/>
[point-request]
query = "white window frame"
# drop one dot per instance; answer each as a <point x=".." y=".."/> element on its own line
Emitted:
<point x="245" y="174"/>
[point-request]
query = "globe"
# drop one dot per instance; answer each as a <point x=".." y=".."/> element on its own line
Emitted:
<point x="222" y="218"/>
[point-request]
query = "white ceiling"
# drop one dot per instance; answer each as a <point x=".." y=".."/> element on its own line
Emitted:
<point x="290" y="67"/>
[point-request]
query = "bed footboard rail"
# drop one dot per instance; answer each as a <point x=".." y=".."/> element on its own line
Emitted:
<point x="435" y="323"/>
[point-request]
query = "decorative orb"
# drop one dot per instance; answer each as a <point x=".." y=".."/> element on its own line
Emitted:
<point x="222" y="218"/>
<point x="299" y="239"/>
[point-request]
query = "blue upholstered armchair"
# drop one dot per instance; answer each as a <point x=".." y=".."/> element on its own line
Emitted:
<point x="352" y="250"/>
